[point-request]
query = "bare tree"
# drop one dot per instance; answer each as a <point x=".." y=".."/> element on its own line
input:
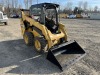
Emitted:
<point x="68" y="8"/>
<point x="25" y="3"/>
<point x="80" y="4"/>
<point x="90" y="9"/>
<point x="7" y="5"/>
<point x="12" y="3"/>
<point x="69" y="5"/>
<point x="20" y="6"/>
<point x="16" y="3"/>
<point x="85" y="6"/>
<point x="1" y="4"/>
<point x="95" y="8"/>
<point x="28" y="3"/>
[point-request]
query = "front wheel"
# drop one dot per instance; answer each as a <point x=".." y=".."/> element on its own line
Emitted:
<point x="39" y="44"/>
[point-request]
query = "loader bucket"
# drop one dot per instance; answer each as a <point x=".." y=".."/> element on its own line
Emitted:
<point x="65" y="54"/>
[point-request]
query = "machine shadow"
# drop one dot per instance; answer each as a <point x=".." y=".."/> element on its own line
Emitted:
<point x="28" y="61"/>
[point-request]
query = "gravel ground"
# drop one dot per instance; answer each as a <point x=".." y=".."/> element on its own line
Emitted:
<point x="18" y="59"/>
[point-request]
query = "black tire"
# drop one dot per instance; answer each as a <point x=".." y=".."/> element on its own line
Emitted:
<point x="42" y="43"/>
<point x="62" y="40"/>
<point x="30" y="37"/>
<point x="5" y="23"/>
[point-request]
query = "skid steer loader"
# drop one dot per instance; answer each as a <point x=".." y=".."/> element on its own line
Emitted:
<point x="41" y="28"/>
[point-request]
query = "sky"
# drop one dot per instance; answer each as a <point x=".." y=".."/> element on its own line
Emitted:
<point x="63" y="3"/>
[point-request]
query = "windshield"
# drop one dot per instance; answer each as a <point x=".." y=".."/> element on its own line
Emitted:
<point x="51" y="14"/>
<point x="36" y="11"/>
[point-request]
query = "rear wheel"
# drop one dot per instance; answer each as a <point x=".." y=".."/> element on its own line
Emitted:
<point x="39" y="43"/>
<point x="5" y="23"/>
<point x="28" y="38"/>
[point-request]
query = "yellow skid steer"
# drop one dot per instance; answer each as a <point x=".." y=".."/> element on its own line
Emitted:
<point x="41" y="28"/>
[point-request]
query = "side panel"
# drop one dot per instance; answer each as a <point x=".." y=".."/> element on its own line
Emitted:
<point x="62" y="27"/>
<point x="36" y="26"/>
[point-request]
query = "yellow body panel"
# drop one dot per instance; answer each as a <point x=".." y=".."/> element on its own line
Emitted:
<point x="52" y="39"/>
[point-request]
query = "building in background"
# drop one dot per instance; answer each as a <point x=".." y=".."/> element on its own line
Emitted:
<point x="95" y="15"/>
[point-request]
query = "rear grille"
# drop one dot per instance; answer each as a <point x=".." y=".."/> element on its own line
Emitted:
<point x="1" y="17"/>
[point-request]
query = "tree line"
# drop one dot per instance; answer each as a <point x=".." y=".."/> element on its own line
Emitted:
<point x="81" y="7"/>
<point x="16" y="4"/>
<point x="12" y="6"/>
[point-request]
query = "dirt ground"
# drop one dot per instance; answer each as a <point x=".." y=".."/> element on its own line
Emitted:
<point x="18" y="59"/>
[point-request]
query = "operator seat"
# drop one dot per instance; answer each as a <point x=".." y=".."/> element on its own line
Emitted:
<point x="50" y="24"/>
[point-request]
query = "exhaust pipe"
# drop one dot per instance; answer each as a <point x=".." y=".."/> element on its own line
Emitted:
<point x="65" y="55"/>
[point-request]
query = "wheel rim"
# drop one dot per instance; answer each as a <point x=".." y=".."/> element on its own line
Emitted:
<point x="26" y="39"/>
<point x="38" y="45"/>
